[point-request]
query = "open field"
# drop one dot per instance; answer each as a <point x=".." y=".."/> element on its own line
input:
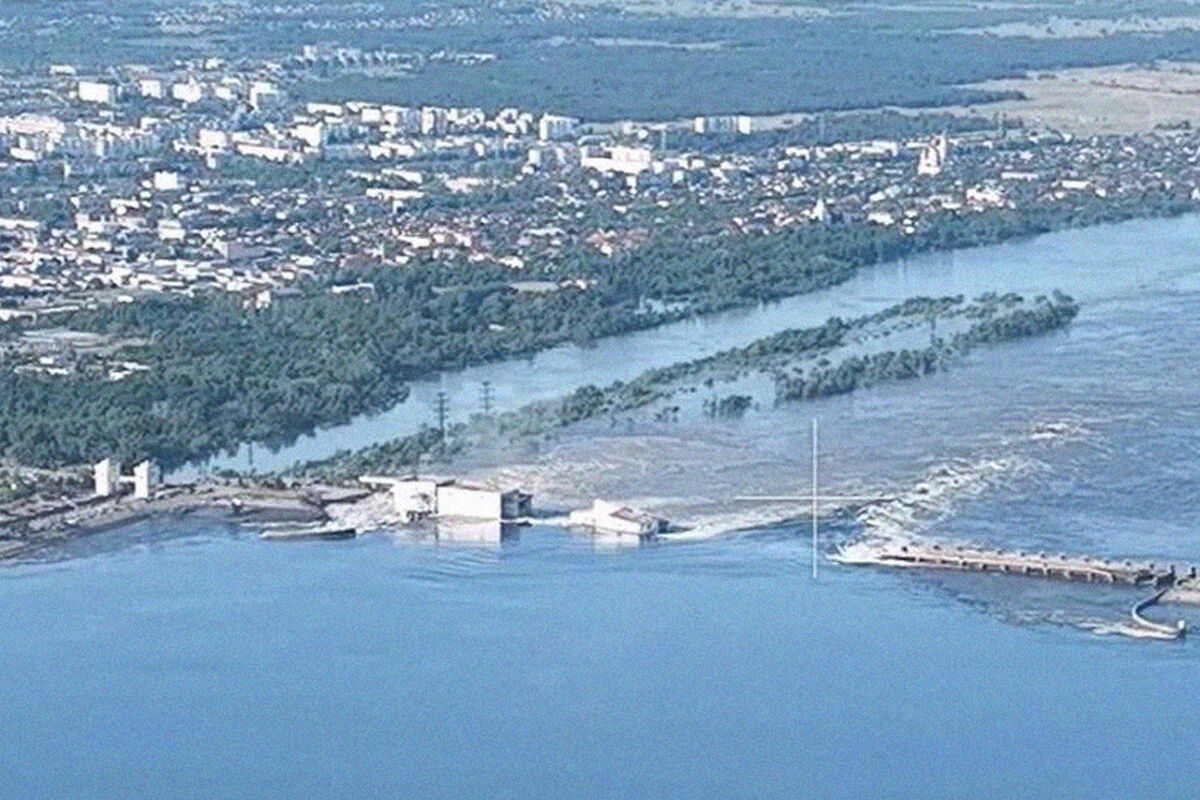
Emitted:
<point x="1084" y="28"/>
<point x="1119" y="99"/>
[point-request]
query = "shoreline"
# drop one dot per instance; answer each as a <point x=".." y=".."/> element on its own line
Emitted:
<point x="28" y="530"/>
<point x="1111" y="215"/>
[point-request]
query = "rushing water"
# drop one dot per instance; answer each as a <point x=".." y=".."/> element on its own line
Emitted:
<point x="190" y="660"/>
<point x="1088" y="264"/>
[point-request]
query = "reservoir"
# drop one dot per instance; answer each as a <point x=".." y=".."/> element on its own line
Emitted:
<point x="557" y="666"/>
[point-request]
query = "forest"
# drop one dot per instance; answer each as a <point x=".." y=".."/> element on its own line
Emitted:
<point x="606" y="62"/>
<point x="661" y="69"/>
<point x="906" y="364"/>
<point x="221" y="374"/>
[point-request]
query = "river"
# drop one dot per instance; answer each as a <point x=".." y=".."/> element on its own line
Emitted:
<point x="190" y="660"/>
<point x="1088" y="264"/>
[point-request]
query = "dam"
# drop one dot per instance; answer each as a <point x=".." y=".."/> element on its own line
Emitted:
<point x="1077" y="568"/>
<point x="1169" y="582"/>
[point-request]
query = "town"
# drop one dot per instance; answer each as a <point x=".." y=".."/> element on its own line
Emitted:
<point x="208" y="177"/>
<point x="599" y="398"/>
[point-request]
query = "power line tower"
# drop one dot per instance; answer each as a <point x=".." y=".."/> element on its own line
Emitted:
<point x="486" y="397"/>
<point x="442" y="405"/>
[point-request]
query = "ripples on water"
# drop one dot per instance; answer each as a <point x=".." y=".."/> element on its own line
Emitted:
<point x="182" y="660"/>
<point x="1084" y="442"/>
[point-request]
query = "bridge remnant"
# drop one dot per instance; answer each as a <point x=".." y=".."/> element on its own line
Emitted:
<point x="1078" y="568"/>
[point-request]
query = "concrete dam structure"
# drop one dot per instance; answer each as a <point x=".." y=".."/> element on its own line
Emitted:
<point x="1168" y="581"/>
<point x="1077" y="568"/>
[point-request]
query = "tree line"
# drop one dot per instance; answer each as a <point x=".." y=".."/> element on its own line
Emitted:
<point x="221" y="374"/>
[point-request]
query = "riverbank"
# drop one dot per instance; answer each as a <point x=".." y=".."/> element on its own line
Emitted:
<point x="1087" y="263"/>
<point x="30" y="526"/>
<point x="907" y="341"/>
<point x="322" y="359"/>
<point x="781" y="361"/>
<point x="1043" y="407"/>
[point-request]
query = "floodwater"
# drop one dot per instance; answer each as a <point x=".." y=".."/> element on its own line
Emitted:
<point x="189" y="660"/>
<point x="1087" y="264"/>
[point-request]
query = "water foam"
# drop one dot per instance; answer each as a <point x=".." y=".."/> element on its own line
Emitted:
<point x="908" y="514"/>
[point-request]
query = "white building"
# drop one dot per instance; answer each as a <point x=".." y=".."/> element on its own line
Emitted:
<point x="820" y="211"/>
<point x="171" y="230"/>
<point x="312" y="134"/>
<point x="983" y="196"/>
<point x="96" y="92"/>
<point x="433" y="121"/>
<point x="212" y="140"/>
<point x="187" y="93"/>
<point x="478" y="502"/>
<point x="324" y="109"/>
<point x="29" y="137"/>
<point x="105" y="474"/>
<point x="933" y="157"/>
<point x="263" y="94"/>
<point x="417" y="498"/>
<point x="724" y="124"/>
<point x="151" y="87"/>
<point x="166" y="181"/>
<point x="551" y="126"/>
<point x="626" y="160"/>
<point x="614" y="518"/>
<point x="108" y="478"/>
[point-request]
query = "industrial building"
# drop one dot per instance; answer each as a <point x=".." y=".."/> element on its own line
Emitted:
<point x="613" y="518"/>
<point x="416" y="498"/>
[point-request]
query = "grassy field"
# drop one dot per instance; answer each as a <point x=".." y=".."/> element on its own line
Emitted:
<point x="1123" y="99"/>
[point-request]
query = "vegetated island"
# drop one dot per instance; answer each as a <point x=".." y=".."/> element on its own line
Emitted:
<point x="906" y="341"/>
<point x="218" y="375"/>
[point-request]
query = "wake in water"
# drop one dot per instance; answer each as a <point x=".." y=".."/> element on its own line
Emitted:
<point x="897" y="532"/>
<point x="908" y="514"/>
<point x="695" y="480"/>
